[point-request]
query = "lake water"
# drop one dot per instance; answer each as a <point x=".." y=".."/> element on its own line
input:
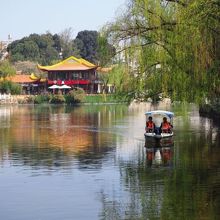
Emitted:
<point x="92" y="162"/>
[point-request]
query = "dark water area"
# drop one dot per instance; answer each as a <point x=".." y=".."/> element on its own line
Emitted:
<point x="92" y="162"/>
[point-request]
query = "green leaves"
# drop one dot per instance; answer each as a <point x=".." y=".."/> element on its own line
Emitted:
<point x="6" y="69"/>
<point x="7" y="86"/>
<point x="181" y="36"/>
<point x="38" y="48"/>
<point x="46" y="48"/>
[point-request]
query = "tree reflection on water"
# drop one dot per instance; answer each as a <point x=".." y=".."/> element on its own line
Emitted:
<point x="181" y="184"/>
<point x="53" y="136"/>
<point x="176" y="179"/>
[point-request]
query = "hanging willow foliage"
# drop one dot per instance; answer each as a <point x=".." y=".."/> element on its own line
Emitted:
<point x="180" y="36"/>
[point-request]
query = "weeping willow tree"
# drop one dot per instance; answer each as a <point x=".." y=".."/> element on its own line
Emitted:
<point x="170" y="47"/>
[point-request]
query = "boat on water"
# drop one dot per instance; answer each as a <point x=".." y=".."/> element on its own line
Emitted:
<point x="158" y="117"/>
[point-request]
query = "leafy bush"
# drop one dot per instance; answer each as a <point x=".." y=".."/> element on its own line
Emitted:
<point x="75" y="96"/>
<point x="57" y="99"/>
<point x="10" y="87"/>
<point x="22" y="101"/>
<point x="42" y="99"/>
<point x="26" y="100"/>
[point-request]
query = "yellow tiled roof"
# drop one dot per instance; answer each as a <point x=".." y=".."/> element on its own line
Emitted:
<point x="71" y="63"/>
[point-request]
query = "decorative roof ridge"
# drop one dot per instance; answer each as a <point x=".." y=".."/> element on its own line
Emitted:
<point x="80" y="61"/>
<point x="87" y="63"/>
<point x="14" y="78"/>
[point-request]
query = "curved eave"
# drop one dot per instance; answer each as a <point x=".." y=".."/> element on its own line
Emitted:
<point x="65" y="66"/>
<point x="33" y="77"/>
<point x="52" y="69"/>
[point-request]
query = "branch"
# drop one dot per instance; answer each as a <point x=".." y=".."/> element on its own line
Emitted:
<point x="214" y="16"/>
<point x="136" y="46"/>
<point x="216" y="3"/>
<point x="178" y="2"/>
<point x="151" y="12"/>
<point x="149" y="67"/>
<point x="139" y="30"/>
<point x="214" y="30"/>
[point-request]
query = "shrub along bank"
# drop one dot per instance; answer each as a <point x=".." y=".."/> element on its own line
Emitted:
<point x="7" y="86"/>
<point x="74" y="97"/>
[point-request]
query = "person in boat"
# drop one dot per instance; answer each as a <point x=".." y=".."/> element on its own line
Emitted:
<point x="150" y="126"/>
<point x="165" y="126"/>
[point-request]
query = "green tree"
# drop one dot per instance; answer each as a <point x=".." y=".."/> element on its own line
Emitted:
<point x="180" y="36"/>
<point x="31" y="50"/>
<point x="6" y="69"/>
<point x="38" y="48"/>
<point x="105" y="51"/>
<point x="94" y="46"/>
<point x="87" y="43"/>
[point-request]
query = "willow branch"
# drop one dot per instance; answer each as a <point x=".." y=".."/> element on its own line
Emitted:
<point x="178" y="2"/>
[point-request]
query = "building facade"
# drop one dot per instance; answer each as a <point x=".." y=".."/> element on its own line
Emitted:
<point x="73" y="72"/>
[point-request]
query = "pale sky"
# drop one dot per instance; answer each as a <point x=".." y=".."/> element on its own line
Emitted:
<point x="23" y="17"/>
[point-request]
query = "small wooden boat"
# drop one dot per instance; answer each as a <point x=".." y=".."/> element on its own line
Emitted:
<point x="158" y="116"/>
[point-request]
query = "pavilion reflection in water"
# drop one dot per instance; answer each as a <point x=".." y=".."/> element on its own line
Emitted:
<point x="159" y="152"/>
<point x="46" y="136"/>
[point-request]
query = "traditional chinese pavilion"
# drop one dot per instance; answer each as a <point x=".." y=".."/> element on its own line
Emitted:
<point x="73" y="72"/>
<point x="30" y="83"/>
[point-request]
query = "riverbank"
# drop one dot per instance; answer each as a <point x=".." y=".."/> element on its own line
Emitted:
<point x="41" y="99"/>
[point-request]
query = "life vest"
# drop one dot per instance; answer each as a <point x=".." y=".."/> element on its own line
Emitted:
<point x="150" y="124"/>
<point x="165" y="125"/>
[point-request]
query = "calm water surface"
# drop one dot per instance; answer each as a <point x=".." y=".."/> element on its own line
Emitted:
<point x="92" y="162"/>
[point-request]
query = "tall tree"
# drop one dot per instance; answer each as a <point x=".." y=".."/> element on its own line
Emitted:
<point x="105" y="51"/>
<point x="87" y="43"/>
<point x="178" y="36"/>
<point x="68" y="47"/>
<point x="38" y="48"/>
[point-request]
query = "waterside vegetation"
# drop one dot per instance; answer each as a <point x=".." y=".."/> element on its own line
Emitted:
<point x="74" y="97"/>
<point x="170" y="48"/>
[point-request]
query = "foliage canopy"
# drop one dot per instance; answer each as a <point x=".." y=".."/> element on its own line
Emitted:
<point x="47" y="48"/>
<point x="6" y="69"/>
<point x="181" y="37"/>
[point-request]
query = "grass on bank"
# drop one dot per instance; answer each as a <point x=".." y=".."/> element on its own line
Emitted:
<point x="105" y="98"/>
<point x="74" y="98"/>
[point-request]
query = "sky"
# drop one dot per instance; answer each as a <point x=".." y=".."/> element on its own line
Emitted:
<point x="21" y="18"/>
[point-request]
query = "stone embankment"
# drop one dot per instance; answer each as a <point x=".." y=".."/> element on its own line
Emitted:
<point x="12" y="99"/>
